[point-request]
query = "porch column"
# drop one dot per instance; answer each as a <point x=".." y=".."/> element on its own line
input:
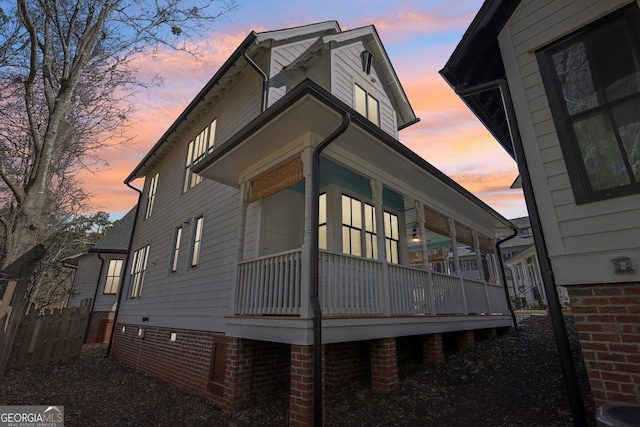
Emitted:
<point x="476" y="249"/>
<point x="305" y="305"/>
<point x="245" y="188"/>
<point x="454" y="245"/>
<point x="384" y="365"/>
<point x="383" y="288"/>
<point x="431" y="306"/>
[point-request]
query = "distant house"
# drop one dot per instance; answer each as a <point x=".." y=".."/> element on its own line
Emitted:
<point x="557" y="84"/>
<point x="98" y="275"/>
<point x="281" y="220"/>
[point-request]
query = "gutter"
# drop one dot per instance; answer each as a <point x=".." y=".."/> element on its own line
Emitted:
<point x="555" y="310"/>
<point x="126" y="263"/>
<point x="314" y="267"/>
<point x="95" y="295"/>
<point x="265" y="79"/>
<point x="503" y="276"/>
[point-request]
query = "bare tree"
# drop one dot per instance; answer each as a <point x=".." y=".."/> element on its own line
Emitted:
<point x="65" y="68"/>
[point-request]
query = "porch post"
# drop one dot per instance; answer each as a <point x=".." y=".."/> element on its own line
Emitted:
<point x="245" y="187"/>
<point x="456" y="261"/>
<point x="476" y="249"/>
<point x="431" y="305"/>
<point x="383" y="285"/>
<point x="305" y="308"/>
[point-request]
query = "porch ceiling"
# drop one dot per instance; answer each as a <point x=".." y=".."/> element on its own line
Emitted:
<point x="275" y="136"/>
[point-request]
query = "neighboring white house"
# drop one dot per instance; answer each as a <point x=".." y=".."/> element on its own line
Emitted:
<point x="571" y="118"/>
<point x="239" y="224"/>
<point x="98" y="275"/>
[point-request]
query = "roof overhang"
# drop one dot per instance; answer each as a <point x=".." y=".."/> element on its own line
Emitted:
<point x="310" y="108"/>
<point x="477" y="59"/>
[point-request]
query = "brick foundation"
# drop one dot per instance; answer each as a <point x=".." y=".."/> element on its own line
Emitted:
<point x="346" y="361"/>
<point x="384" y="365"/>
<point x="100" y="327"/>
<point x="432" y="349"/>
<point x="301" y="393"/>
<point x="465" y="340"/>
<point x="607" y="318"/>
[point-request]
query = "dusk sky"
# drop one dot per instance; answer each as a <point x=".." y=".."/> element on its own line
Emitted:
<point x="419" y="37"/>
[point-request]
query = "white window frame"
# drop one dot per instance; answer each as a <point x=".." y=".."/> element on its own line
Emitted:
<point x="112" y="278"/>
<point x="196" y="241"/>
<point x="368" y="106"/>
<point x="197" y="149"/>
<point x="151" y="196"/>
<point x="175" y="251"/>
<point x="138" y="270"/>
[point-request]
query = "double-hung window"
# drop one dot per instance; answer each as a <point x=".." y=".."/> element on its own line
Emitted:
<point x="366" y="104"/>
<point x="391" y="237"/>
<point x="175" y="254"/>
<point x="138" y="268"/>
<point x="151" y="196"/>
<point x="592" y="79"/>
<point x="196" y="242"/>
<point x="358" y="228"/>
<point x="201" y="145"/>
<point x="112" y="280"/>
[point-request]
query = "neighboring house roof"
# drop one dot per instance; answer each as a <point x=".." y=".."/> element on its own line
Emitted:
<point x="114" y="241"/>
<point x="477" y="59"/>
<point x="117" y="239"/>
<point x="521" y="222"/>
<point x="518" y="241"/>
<point x="328" y="33"/>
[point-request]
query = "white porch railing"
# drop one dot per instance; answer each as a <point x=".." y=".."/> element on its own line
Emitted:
<point x="270" y="285"/>
<point x="353" y="286"/>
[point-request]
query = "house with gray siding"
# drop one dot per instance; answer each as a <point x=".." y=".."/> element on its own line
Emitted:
<point x="284" y="227"/>
<point x="556" y="82"/>
<point x="98" y="273"/>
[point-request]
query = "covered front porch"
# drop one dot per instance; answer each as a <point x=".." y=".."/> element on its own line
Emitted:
<point x="390" y="232"/>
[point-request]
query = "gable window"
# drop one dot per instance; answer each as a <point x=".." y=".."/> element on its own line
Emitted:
<point x="196" y="242"/>
<point x="366" y="105"/>
<point x="198" y="148"/>
<point x="151" y="195"/>
<point x="592" y="78"/>
<point x="138" y="268"/>
<point x="112" y="281"/>
<point x="176" y="249"/>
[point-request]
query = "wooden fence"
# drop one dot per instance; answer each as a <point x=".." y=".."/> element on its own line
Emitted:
<point x="51" y="338"/>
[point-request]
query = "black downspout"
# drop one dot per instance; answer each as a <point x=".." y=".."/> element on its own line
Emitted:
<point x="315" y="301"/>
<point x="265" y="79"/>
<point x="555" y="310"/>
<point x="503" y="276"/>
<point x="124" y="270"/>
<point x="95" y="295"/>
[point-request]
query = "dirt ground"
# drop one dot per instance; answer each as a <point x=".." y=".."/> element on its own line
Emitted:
<point x="512" y="380"/>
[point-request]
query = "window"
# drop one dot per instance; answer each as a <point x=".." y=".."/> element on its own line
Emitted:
<point x="322" y="228"/>
<point x="138" y="268"/>
<point x="197" y="242"/>
<point x="176" y="249"/>
<point x="198" y="148"/>
<point x="592" y="78"/>
<point x="151" y="196"/>
<point x="358" y="226"/>
<point x="370" y="238"/>
<point x="391" y="237"/>
<point x="113" y="277"/>
<point x="366" y="105"/>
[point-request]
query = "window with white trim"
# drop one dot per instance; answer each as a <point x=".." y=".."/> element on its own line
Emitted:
<point x="196" y="242"/>
<point x="175" y="253"/>
<point x="201" y="145"/>
<point x="112" y="281"/>
<point x="322" y="223"/>
<point x="391" y="237"/>
<point x="592" y="80"/>
<point x="366" y="104"/>
<point x="151" y="196"/>
<point x="138" y="269"/>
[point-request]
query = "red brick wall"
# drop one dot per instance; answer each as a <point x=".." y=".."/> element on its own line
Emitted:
<point x="271" y="363"/>
<point x="345" y="361"/>
<point x="96" y="318"/>
<point x="607" y="318"/>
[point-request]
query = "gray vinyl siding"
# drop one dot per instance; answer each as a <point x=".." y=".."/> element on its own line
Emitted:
<point x="281" y="81"/>
<point x="85" y="279"/>
<point x="200" y="297"/>
<point x="347" y="70"/>
<point x="581" y="239"/>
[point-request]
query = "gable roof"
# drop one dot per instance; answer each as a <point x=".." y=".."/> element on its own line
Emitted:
<point x="370" y="38"/>
<point x="477" y="59"/>
<point x="254" y="45"/>
<point x="117" y="239"/>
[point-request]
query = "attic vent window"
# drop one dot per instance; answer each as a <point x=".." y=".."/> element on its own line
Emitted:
<point x="367" y="60"/>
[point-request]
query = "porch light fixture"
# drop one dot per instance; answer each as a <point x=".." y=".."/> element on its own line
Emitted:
<point x="415" y="238"/>
<point x="367" y="59"/>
